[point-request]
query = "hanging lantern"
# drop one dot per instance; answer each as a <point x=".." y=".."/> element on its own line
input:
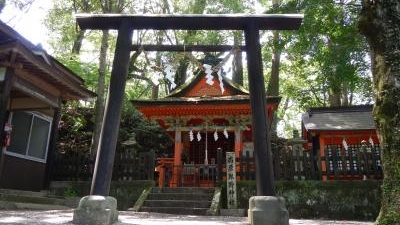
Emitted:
<point x="216" y="135"/>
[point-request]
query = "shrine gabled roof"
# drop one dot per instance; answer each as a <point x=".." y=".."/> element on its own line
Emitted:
<point x="183" y="106"/>
<point x="339" y="118"/>
<point x="199" y="96"/>
<point x="193" y="101"/>
<point x="231" y="87"/>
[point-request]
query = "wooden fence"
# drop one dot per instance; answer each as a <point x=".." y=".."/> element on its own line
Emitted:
<point x="128" y="165"/>
<point x="289" y="163"/>
<point x="355" y="162"/>
<point x="286" y="165"/>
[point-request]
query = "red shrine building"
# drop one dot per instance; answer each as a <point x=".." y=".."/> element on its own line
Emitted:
<point x="345" y="140"/>
<point x="202" y="115"/>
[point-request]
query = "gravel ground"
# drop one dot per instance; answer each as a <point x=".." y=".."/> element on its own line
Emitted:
<point x="134" y="218"/>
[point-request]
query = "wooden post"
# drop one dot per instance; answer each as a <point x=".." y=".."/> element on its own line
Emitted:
<point x="109" y="131"/>
<point x="177" y="169"/>
<point x="238" y="141"/>
<point x="262" y="152"/>
<point x="52" y="146"/>
<point x="219" y="165"/>
<point x="324" y="160"/>
<point x="4" y="98"/>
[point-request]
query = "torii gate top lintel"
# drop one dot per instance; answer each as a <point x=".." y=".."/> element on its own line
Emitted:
<point x="191" y="21"/>
<point x="125" y="24"/>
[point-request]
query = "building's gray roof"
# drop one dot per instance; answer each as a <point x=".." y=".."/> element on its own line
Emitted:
<point x="339" y="118"/>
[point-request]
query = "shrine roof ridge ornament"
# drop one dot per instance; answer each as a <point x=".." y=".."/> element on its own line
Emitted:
<point x="191" y="21"/>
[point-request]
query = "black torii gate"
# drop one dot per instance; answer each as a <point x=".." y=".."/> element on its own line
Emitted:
<point x="125" y="24"/>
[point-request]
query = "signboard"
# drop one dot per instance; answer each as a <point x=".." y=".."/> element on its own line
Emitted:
<point x="231" y="180"/>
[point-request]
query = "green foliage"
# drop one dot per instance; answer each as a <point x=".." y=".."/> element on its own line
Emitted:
<point x="338" y="200"/>
<point x="87" y="70"/>
<point x="324" y="63"/>
<point x="126" y="192"/>
<point x="77" y="124"/>
<point x="75" y="128"/>
<point x="328" y="43"/>
<point x="146" y="135"/>
<point x="71" y="192"/>
<point x="327" y="56"/>
<point x="61" y="25"/>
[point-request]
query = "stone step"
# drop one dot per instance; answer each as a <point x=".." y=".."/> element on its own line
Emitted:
<point x="30" y="199"/>
<point x="179" y="200"/>
<point x="180" y="190"/>
<point x="175" y="210"/>
<point x="180" y="196"/>
<point x="24" y="193"/>
<point x="177" y="203"/>
<point x="16" y="199"/>
<point x="31" y="206"/>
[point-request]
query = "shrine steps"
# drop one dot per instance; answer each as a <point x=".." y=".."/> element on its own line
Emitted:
<point x="179" y="200"/>
<point x="17" y="199"/>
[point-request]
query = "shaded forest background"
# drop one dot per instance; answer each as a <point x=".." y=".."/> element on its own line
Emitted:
<point x="325" y="63"/>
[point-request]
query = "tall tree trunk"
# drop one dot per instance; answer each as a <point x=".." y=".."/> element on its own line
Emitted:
<point x="108" y="6"/>
<point x="379" y="21"/>
<point x="197" y="7"/>
<point x="155" y="89"/>
<point x="82" y="6"/>
<point x="273" y="84"/>
<point x="345" y="93"/>
<point x="237" y="63"/>
<point x="99" y="107"/>
<point x="334" y="98"/>
<point x="76" y="48"/>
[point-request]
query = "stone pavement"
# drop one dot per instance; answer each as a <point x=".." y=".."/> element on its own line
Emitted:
<point x="22" y="217"/>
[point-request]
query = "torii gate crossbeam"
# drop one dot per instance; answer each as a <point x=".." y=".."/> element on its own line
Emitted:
<point x="125" y="24"/>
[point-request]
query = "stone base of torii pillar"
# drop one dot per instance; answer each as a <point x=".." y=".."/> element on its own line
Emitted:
<point x="96" y="210"/>
<point x="269" y="210"/>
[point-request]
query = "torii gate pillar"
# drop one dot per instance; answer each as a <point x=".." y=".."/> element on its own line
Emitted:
<point x="262" y="150"/>
<point x="265" y="208"/>
<point x="99" y="208"/>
